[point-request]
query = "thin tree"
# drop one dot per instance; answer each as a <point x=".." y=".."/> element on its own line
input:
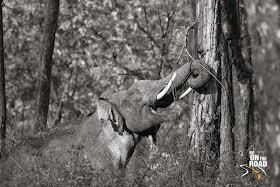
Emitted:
<point x="222" y="118"/>
<point x="2" y="87"/>
<point x="44" y="75"/>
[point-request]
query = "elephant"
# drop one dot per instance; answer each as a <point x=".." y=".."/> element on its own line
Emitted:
<point x="106" y="139"/>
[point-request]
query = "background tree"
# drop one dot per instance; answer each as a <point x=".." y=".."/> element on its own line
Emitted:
<point x="44" y="75"/>
<point x="264" y="26"/>
<point x="3" y="115"/>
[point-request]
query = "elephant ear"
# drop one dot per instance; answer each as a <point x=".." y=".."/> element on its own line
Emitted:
<point x="108" y="112"/>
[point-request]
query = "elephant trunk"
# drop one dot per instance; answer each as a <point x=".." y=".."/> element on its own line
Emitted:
<point x="193" y="75"/>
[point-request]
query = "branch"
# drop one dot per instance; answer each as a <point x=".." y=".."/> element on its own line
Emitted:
<point x="101" y="37"/>
<point x="160" y="23"/>
<point x="147" y="33"/>
<point x="199" y="61"/>
<point x="129" y="71"/>
<point x="74" y="99"/>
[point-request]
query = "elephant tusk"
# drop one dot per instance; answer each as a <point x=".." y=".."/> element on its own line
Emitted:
<point x="167" y="87"/>
<point x="185" y="93"/>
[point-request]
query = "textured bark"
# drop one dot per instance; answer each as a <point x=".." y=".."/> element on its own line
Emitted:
<point x="227" y="119"/>
<point x="2" y="87"/>
<point x="233" y="24"/>
<point x="240" y="76"/>
<point x="192" y="48"/>
<point x="44" y="81"/>
<point x="205" y="108"/>
<point x="251" y="121"/>
<point x="223" y="38"/>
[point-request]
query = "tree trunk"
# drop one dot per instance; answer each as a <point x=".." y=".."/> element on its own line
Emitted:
<point x="221" y="118"/>
<point x="232" y="28"/>
<point x="205" y="106"/>
<point x="44" y="76"/>
<point x="2" y="88"/>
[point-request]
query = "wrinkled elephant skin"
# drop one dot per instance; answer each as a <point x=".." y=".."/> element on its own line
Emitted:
<point x="106" y="139"/>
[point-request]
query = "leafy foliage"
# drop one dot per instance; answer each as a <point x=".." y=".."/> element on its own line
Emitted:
<point x="99" y="45"/>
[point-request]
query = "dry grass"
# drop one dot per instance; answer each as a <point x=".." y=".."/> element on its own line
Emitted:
<point x="170" y="165"/>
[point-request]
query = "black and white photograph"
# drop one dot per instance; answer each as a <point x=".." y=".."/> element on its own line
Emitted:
<point x="139" y="93"/>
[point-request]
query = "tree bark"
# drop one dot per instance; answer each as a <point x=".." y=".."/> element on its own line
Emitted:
<point x="227" y="109"/>
<point x="205" y="106"/>
<point x="3" y="115"/>
<point x="241" y="74"/>
<point x="192" y="32"/>
<point x="221" y="118"/>
<point x="44" y="76"/>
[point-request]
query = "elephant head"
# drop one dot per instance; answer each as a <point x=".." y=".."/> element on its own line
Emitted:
<point x="132" y="113"/>
<point x="138" y="104"/>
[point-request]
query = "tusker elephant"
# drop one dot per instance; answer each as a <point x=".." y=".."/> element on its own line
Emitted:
<point x="106" y="139"/>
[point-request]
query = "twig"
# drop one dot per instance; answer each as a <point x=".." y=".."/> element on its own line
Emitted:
<point x="145" y="14"/>
<point x="147" y="33"/>
<point x="74" y="99"/>
<point x="44" y="77"/>
<point x="9" y="178"/>
<point x="199" y="61"/>
<point x="139" y="36"/>
<point x="145" y="162"/>
<point x="185" y="35"/>
<point x="129" y="71"/>
<point x="181" y="52"/>
<point x="159" y="19"/>
<point x="190" y="27"/>
<point x="145" y="172"/>
<point x="21" y="168"/>
<point x="210" y="73"/>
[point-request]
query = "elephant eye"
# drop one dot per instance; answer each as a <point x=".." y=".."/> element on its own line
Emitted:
<point x="195" y="73"/>
<point x="150" y="107"/>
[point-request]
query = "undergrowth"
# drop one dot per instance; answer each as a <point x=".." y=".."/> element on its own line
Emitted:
<point x="169" y="164"/>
